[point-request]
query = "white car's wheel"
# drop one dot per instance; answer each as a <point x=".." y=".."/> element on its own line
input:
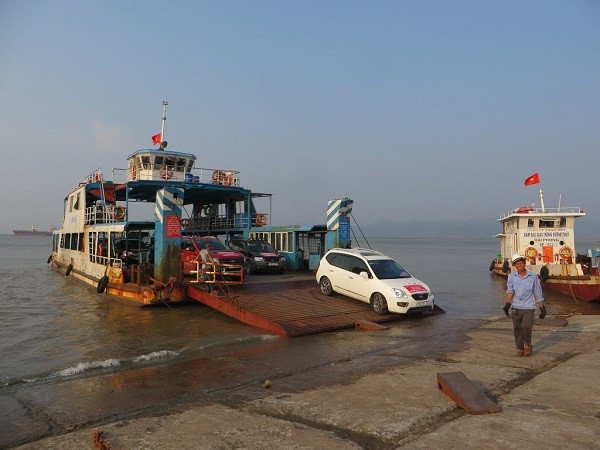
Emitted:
<point x="325" y="286"/>
<point x="379" y="303"/>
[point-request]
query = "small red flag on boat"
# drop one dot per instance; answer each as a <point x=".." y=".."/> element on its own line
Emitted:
<point x="533" y="179"/>
<point x="156" y="138"/>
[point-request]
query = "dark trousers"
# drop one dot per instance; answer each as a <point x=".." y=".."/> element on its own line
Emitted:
<point x="522" y="326"/>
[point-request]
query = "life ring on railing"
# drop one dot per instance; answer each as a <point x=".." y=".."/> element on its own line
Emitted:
<point x="228" y="180"/>
<point x="120" y="212"/>
<point x="261" y="220"/>
<point x="133" y="173"/>
<point x="531" y="252"/>
<point x="566" y="253"/>
<point x="216" y="176"/>
<point x="166" y="172"/>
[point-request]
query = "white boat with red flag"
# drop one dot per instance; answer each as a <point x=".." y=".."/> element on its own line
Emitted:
<point x="546" y="238"/>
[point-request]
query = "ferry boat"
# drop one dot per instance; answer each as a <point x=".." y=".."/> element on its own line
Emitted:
<point x="546" y="238"/>
<point x="103" y="242"/>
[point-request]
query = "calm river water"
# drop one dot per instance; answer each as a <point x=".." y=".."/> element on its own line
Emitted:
<point x="53" y="327"/>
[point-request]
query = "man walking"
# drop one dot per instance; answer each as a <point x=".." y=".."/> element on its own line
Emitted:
<point x="523" y="292"/>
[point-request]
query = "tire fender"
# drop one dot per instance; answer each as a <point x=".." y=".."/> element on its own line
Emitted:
<point x="102" y="284"/>
<point x="69" y="270"/>
<point x="505" y="267"/>
<point x="544" y="273"/>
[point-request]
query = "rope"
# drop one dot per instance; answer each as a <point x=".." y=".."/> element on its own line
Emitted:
<point x="99" y="441"/>
<point x="361" y="232"/>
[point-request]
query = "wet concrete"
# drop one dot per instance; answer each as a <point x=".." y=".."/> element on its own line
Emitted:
<point x="366" y="390"/>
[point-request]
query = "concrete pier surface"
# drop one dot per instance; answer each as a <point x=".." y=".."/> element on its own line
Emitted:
<point x="549" y="400"/>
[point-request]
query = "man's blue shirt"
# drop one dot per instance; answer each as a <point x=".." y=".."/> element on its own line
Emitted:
<point x="527" y="290"/>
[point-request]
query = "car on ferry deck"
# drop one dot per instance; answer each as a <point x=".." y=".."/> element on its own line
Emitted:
<point x="260" y="256"/>
<point x="192" y="245"/>
<point x="372" y="277"/>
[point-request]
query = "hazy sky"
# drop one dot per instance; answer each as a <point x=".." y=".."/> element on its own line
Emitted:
<point x="414" y="109"/>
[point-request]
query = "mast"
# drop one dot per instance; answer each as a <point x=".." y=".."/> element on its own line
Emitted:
<point x="542" y="200"/>
<point x="163" y="142"/>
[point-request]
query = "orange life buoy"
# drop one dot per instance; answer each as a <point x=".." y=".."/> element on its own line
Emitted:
<point x="216" y="176"/>
<point x="566" y="252"/>
<point x="133" y="173"/>
<point x="119" y="213"/>
<point x="166" y="172"/>
<point x="228" y="180"/>
<point x="261" y="220"/>
<point x="530" y="252"/>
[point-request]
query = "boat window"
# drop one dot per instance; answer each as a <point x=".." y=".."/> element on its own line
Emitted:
<point x="190" y="163"/>
<point x="180" y="165"/>
<point x="158" y="160"/>
<point x="169" y="161"/>
<point x="74" y="240"/>
<point x="530" y="223"/>
<point x="545" y="223"/>
<point x="145" y="161"/>
<point x="563" y="222"/>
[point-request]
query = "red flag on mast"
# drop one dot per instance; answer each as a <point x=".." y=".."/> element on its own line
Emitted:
<point x="533" y="179"/>
<point x="156" y="138"/>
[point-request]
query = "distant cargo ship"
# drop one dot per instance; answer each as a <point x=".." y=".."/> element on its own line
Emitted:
<point x="33" y="232"/>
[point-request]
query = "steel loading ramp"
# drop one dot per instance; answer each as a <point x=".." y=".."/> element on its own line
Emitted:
<point x="291" y="306"/>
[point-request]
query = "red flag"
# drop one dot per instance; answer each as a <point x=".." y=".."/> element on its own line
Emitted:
<point x="156" y="138"/>
<point x="533" y="179"/>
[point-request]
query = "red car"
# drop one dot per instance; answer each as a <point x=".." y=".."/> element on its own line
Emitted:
<point x="220" y="254"/>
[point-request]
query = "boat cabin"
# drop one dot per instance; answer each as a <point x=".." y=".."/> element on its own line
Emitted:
<point x="542" y="235"/>
<point x="152" y="164"/>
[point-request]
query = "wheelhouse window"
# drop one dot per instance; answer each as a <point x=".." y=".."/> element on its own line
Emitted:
<point x="180" y="165"/>
<point x="546" y="223"/>
<point x="145" y="161"/>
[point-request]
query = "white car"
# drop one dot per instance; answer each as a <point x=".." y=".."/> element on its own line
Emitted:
<point x="370" y="276"/>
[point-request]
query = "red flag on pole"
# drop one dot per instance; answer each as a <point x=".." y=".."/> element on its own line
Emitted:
<point x="533" y="179"/>
<point x="156" y="138"/>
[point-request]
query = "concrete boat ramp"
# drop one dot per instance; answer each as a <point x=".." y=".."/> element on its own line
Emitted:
<point x="290" y="305"/>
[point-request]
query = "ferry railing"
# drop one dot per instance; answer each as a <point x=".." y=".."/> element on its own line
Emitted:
<point x="218" y="273"/>
<point x="155" y="172"/>
<point x="104" y="214"/>
<point x="216" y="222"/>
<point x="555" y="211"/>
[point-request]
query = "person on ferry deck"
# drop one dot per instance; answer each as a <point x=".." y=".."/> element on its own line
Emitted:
<point x="523" y="293"/>
<point x="206" y="258"/>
